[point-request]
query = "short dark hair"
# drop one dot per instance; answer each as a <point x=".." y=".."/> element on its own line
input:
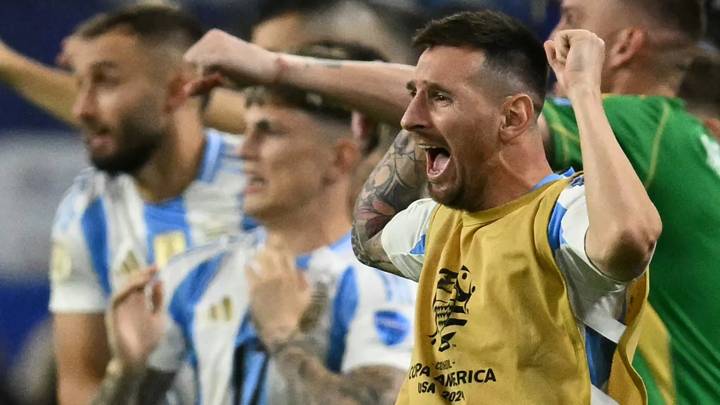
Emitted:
<point x="274" y="8"/>
<point x="697" y="88"/>
<point x="687" y="17"/>
<point x="310" y="101"/>
<point x="509" y="47"/>
<point x="152" y="23"/>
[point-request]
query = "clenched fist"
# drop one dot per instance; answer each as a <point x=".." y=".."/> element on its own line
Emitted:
<point x="577" y="57"/>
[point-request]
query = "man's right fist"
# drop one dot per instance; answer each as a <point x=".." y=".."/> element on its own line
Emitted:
<point x="220" y="55"/>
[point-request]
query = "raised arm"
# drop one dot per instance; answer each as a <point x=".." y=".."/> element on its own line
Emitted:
<point x="397" y="181"/>
<point x="54" y="90"/>
<point x="624" y="224"/>
<point x="51" y="89"/>
<point x="374" y="88"/>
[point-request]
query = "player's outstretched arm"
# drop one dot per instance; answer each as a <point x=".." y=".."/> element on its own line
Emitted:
<point x="135" y="327"/>
<point x="374" y="88"/>
<point x="396" y="182"/>
<point x="51" y="89"/>
<point x="54" y="90"/>
<point x="624" y="224"/>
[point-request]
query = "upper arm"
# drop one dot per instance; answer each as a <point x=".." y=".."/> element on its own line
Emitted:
<point x="589" y="285"/>
<point x="82" y="354"/>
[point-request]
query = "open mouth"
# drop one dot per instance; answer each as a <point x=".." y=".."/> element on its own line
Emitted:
<point x="438" y="159"/>
<point x="254" y="183"/>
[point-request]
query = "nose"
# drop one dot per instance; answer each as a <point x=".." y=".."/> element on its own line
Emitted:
<point x="85" y="106"/>
<point x="249" y="148"/>
<point x="416" y="115"/>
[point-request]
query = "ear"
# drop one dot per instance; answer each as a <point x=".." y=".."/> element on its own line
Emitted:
<point x="713" y="124"/>
<point x="176" y="94"/>
<point x="363" y="130"/>
<point x="626" y="46"/>
<point x="518" y="114"/>
<point x="346" y="156"/>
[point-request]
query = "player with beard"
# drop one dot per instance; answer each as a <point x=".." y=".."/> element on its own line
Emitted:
<point x="160" y="184"/>
<point x="284" y="315"/>
<point x="483" y="332"/>
<point x="650" y="45"/>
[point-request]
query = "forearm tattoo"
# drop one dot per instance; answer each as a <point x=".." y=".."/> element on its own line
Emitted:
<point x="118" y="387"/>
<point x="364" y="385"/>
<point x="146" y="388"/>
<point x="396" y="182"/>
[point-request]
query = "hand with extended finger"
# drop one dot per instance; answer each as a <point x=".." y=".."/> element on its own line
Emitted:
<point x="577" y="57"/>
<point x="219" y="55"/>
<point x="279" y="295"/>
<point x="136" y="321"/>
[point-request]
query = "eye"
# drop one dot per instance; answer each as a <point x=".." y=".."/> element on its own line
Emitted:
<point x="440" y="97"/>
<point x="412" y="92"/>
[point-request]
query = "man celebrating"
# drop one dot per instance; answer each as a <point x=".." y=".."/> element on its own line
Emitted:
<point x="159" y="184"/>
<point x="286" y="317"/>
<point x="513" y="261"/>
<point x="650" y="45"/>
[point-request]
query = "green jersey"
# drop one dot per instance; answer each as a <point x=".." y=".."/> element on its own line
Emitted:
<point x="679" y="163"/>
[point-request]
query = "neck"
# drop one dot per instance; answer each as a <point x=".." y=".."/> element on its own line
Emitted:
<point x="642" y="81"/>
<point x="176" y="163"/>
<point x="515" y="170"/>
<point x="318" y="223"/>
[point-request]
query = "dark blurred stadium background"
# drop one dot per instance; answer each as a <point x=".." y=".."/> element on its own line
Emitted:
<point x="39" y="156"/>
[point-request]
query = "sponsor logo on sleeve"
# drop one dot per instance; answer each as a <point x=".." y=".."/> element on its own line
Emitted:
<point x="392" y="327"/>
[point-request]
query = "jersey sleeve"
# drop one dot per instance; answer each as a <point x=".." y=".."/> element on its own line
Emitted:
<point x="590" y="289"/>
<point x="372" y="320"/>
<point x="75" y="285"/>
<point x="403" y="238"/>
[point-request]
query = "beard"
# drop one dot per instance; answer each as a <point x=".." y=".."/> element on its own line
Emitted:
<point x="137" y="144"/>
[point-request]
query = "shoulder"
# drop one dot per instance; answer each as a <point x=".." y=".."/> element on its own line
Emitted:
<point x="85" y="194"/>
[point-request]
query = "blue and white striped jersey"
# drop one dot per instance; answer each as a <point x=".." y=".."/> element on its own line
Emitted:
<point x="366" y="320"/>
<point x="597" y="300"/>
<point x="103" y="230"/>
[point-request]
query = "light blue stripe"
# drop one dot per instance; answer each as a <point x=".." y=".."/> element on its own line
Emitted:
<point x="94" y="226"/>
<point x="255" y="359"/>
<point x="599" y="353"/>
<point x="214" y="149"/>
<point x="344" y="308"/>
<point x="170" y="216"/>
<point x="419" y="248"/>
<point x="182" y="306"/>
<point x="555" y="226"/>
<point x="553" y="177"/>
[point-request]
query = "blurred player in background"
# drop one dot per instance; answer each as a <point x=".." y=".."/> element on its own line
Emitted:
<point x="160" y="182"/>
<point x="651" y="45"/>
<point x="303" y="322"/>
